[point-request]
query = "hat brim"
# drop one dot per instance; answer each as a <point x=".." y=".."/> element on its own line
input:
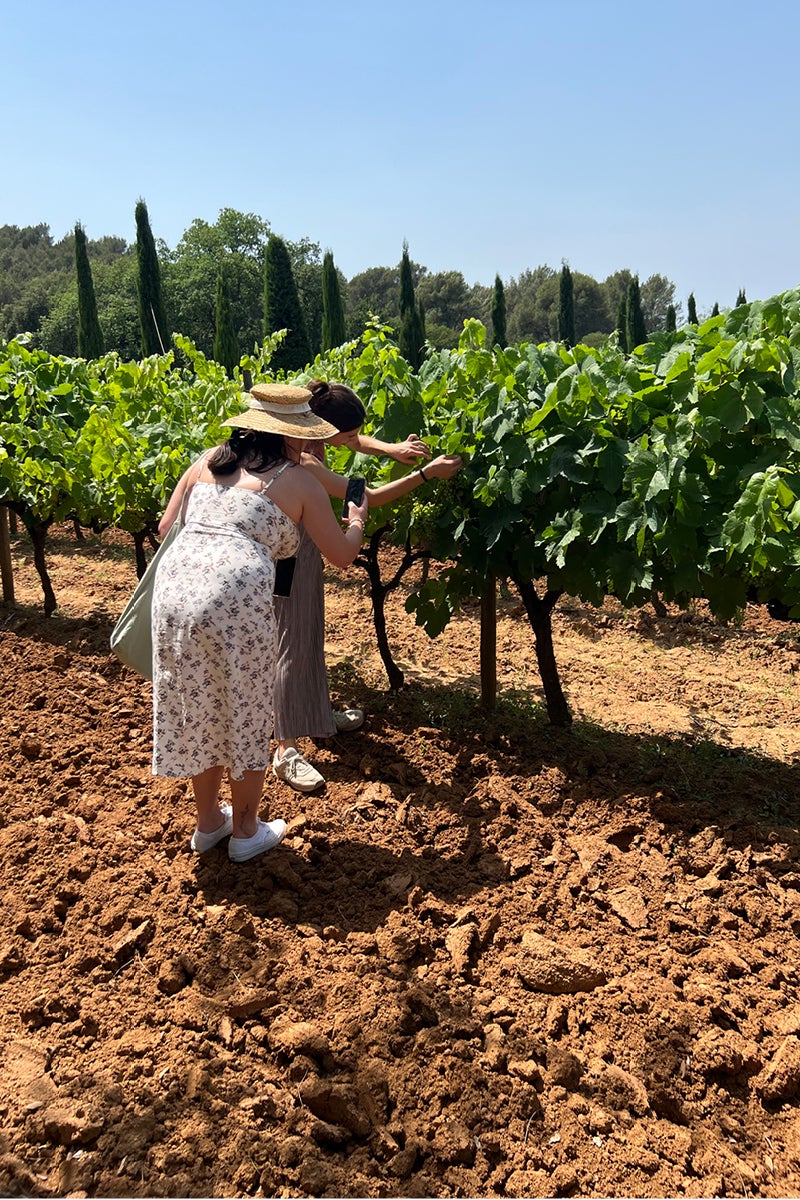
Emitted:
<point x="300" y="425"/>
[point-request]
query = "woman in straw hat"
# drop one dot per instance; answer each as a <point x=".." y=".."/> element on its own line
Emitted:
<point x="302" y="701"/>
<point x="215" y="637"/>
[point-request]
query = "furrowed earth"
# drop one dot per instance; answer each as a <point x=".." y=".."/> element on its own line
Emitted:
<point x="492" y="958"/>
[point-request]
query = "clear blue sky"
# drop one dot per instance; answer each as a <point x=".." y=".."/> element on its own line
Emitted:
<point x="493" y="137"/>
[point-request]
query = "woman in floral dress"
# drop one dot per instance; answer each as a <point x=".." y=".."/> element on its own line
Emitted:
<point x="214" y="628"/>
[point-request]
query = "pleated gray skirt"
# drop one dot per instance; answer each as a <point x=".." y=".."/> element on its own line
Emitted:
<point x="302" y="703"/>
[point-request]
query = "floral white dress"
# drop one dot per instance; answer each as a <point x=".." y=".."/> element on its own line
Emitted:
<point x="215" y="641"/>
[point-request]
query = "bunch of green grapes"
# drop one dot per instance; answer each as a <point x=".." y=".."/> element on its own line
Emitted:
<point x="432" y="510"/>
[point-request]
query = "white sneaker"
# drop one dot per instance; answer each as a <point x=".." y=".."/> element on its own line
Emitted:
<point x="297" y="771"/>
<point x="267" y="835"/>
<point x="348" y="720"/>
<point x="205" y="841"/>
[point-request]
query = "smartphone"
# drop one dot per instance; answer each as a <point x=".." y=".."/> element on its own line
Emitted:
<point x="355" y="493"/>
<point x="284" y="573"/>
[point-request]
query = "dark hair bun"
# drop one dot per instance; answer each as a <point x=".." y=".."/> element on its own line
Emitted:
<point x="336" y="403"/>
<point x="319" y="388"/>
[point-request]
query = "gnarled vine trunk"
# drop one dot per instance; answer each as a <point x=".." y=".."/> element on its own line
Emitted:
<point x="141" y="561"/>
<point x="6" y="567"/>
<point x="540" y="612"/>
<point x="38" y="534"/>
<point x="489" y="642"/>
<point x="380" y="589"/>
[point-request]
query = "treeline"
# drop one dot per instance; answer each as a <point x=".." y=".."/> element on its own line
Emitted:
<point x="228" y="285"/>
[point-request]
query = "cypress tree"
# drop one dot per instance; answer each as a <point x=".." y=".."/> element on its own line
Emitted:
<point x="566" y="308"/>
<point x="412" y="320"/>
<point x="226" y="343"/>
<point x="406" y="283"/>
<point x="90" y="335"/>
<point x="635" y="331"/>
<point x="692" y="307"/>
<point x="412" y="337"/>
<point x="715" y="310"/>
<point x="152" y="319"/>
<point x="671" y="321"/>
<point x="282" y="308"/>
<point x="622" y="333"/>
<point x="499" y="337"/>
<point x="333" y="328"/>
<point x="741" y="298"/>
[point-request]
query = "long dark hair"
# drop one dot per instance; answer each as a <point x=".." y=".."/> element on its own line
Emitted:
<point x="337" y="403"/>
<point x="252" y="448"/>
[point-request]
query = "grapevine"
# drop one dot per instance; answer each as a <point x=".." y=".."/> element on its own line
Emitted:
<point x="673" y="471"/>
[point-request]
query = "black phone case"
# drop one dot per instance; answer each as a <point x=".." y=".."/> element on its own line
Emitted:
<point x="284" y="573"/>
<point x="355" y="493"/>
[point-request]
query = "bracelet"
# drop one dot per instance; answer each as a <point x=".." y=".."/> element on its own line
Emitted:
<point x="356" y="521"/>
<point x="422" y="473"/>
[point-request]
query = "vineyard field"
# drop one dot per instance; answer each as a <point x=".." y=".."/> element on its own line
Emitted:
<point x="492" y="958"/>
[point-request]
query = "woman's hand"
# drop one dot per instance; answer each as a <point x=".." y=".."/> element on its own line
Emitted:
<point x="410" y="450"/>
<point x="444" y="467"/>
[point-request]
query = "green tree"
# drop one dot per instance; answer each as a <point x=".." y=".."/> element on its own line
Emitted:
<point x="593" y="319"/>
<point x="90" y="335"/>
<point x="566" y="307"/>
<point x="412" y="337"/>
<point x="635" y="330"/>
<point x="615" y="289"/>
<point x="671" y="319"/>
<point x="445" y="295"/>
<point x="741" y="298"/>
<point x="226" y="344"/>
<point x="282" y="309"/>
<point x="715" y="310"/>
<point x="152" y="318"/>
<point x="117" y="301"/>
<point x="412" y="321"/>
<point x="478" y="305"/>
<point x="530" y="301"/>
<point x="33" y="271"/>
<point x="58" y="332"/>
<point x="657" y="293"/>
<point x="36" y="273"/>
<point x="622" y="325"/>
<point x="692" y="310"/>
<point x="374" y="292"/>
<point x="499" y="337"/>
<point x="306" y="259"/>
<point x="333" y="324"/>
<point x="236" y="241"/>
<point x="407" y="295"/>
<point x="117" y="306"/>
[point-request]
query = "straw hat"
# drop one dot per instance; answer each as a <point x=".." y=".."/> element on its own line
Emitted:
<point x="279" y="408"/>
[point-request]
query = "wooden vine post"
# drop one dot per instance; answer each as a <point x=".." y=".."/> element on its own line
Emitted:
<point x="6" y="569"/>
<point x="489" y="643"/>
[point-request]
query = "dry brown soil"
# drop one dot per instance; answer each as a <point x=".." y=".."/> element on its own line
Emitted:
<point x="491" y="958"/>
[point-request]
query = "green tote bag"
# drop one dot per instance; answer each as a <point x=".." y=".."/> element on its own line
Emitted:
<point x="132" y="636"/>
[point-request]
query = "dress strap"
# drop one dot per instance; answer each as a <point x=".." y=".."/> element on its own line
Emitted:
<point x="269" y="482"/>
